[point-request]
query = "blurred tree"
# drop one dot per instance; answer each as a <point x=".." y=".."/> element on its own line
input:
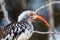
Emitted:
<point x="15" y="7"/>
<point x="57" y="14"/>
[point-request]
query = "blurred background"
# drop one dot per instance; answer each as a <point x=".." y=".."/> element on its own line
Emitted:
<point x="16" y="7"/>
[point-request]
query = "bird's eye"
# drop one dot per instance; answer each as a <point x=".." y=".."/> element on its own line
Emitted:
<point x="31" y="14"/>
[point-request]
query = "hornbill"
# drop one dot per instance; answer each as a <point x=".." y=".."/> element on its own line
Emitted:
<point x="23" y="28"/>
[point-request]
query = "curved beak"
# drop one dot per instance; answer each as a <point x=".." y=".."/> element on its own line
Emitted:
<point x="41" y="19"/>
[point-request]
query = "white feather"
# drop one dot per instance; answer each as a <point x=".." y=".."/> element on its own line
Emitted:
<point x="24" y="15"/>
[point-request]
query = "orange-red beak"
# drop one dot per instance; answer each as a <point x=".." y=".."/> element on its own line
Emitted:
<point x="42" y="19"/>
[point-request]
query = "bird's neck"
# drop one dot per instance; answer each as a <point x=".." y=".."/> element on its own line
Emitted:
<point x="26" y="20"/>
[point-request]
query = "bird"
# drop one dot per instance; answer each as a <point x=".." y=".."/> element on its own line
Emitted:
<point x="23" y="28"/>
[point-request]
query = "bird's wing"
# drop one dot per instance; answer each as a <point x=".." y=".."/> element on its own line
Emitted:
<point x="6" y="30"/>
<point x="15" y="29"/>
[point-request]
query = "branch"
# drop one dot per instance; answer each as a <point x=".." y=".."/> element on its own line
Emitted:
<point x="5" y="12"/>
<point x="42" y="32"/>
<point x="51" y="3"/>
<point x="46" y="32"/>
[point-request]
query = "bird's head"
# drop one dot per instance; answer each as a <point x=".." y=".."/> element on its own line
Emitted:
<point x="31" y="15"/>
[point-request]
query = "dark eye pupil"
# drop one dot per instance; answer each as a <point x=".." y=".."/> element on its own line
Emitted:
<point x="31" y="14"/>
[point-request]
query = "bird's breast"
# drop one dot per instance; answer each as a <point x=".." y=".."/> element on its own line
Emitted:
<point x="19" y="31"/>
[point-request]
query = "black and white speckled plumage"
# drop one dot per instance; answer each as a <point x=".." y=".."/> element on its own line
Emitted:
<point x="21" y="30"/>
<point x="14" y="30"/>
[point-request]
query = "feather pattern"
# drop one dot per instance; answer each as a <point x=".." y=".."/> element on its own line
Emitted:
<point x="17" y="31"/>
